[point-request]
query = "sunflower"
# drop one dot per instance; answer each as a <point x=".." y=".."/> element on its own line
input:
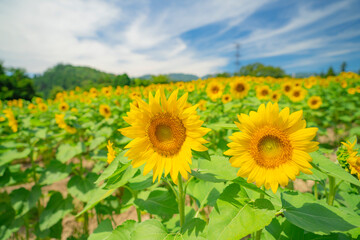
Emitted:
<point x="202" y="105"/>
<point x="351" y="91"/>
<point x="105" y="110"/>
<point x="63" y="106"/>
<point x="358" y="89"/>
<point x="297" y="94"/>
<point x="239" y="88"/>
<point x="263" y="92"/>
<point x="111" y="152"/>
<point x="353" y="158"/>
<point x="272" y="147"/>
<point x="275" y="96"/>
<point x="31" y="106"/>
<point x="43" y="107"/>
<point x="163" y="135"/>
<point x="343" y="84"/>
<point x="214" y="90"/>
<point x="314" y="102"/>
<point x="287" y="87"/>
<point x="190" y="87"/>
<point x="226" y="98"/>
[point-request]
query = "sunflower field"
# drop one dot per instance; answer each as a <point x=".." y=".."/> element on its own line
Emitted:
<point x="222" y="158"/>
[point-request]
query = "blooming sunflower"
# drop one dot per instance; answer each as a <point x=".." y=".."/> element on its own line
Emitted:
<point x="297" y="94"/>
<point x="43" y="107"/>
<point x="163" y="135"/>
<point x="111" y="152"/>
<point x="272" y="147"/>
<point x="239" y="88"/>
<point x="263" y="92"/>
<point x="214" y="90"/>
<point x="353" y="158"/>
<point x="63" y="106"/>
<point x="351" y="91"/>
<point x="314" y="102"/>
<point x="105" y="110"/>
<point x="226" y="98"/>
<point x="202" y="105"/>
<point x="275" y="96"/>
<point x="287" y="87"/>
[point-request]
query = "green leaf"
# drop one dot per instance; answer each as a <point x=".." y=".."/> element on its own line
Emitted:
<point x="23" y="200"/>
<point x="67" y="151"/>
<point x="123" y="232"/>
<point x="314" y="216"/>
<point x="235" y="217"/>
<point x="96" y="196"/>
<point x="150" y="230"/>
<point x="193" y="228"/>
<point x="55" y="172"/>
<point x="121" y="177"/>
<point x="55" y="210"/>
<point x="82" y="188"/>
<point x="205" y="192"/>
<point x="159" y="202"/>
<point x="201" y="155"/>
<point x="96" y="142"/>
<point x="140" y="182"/>
<point x="219" y="166"/>
<point x="11" y="155"/>
<point x="108" y="171"/>
<point x="328" y="167"/>
<point x="103" y="231"/>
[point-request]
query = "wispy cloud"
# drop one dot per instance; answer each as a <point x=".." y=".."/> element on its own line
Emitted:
<point x="140" y="37"/>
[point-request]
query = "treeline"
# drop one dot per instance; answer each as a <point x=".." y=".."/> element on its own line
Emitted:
<point x="15" y="84"/>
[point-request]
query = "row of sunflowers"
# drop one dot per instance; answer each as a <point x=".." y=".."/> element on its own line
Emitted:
<point x="171" y="157"/>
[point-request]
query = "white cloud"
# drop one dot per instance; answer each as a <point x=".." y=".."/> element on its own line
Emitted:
<point x="138" y="39"/>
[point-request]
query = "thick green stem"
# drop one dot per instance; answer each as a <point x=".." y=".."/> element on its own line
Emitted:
<point x="86" y="224"/>
<point x="258" y="233"/>
<point x="138" y="212"/>
<point x="181" y="201"/>
<point x="316" y="193"/>
<point x="332" y="191"/>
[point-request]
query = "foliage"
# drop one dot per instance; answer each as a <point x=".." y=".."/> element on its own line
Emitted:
<point x="15" y="84"/>
<point x="260" y="70"/>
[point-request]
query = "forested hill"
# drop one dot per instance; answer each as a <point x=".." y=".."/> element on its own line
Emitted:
<point x="65" y="76"/>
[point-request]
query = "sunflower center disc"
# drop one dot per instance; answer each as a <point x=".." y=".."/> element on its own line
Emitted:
<point x="240" y="87"/>
<point x="270" y="147"/>
<point x="166" y="133"/>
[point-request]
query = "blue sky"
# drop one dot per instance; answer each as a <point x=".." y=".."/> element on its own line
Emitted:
<point x="196" y="37"/>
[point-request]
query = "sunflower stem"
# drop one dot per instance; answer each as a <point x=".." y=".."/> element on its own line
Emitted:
<point x="316" y="190"/>
<point x="258" y="233"/>
<point x="332" y="191"/>
<point x="181" y="201"/>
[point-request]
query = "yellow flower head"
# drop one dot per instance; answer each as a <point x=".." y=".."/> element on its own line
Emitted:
<point x="263" y="92"/>
<point x="297" y="94"/>
<point x="239" y="88"/>
<point x="226" y="98"/>
<point x="275" y="96"/>
<point x="287" y="88"/>
<point x="164" y="131"/>
<point x="353" y="159"/>
<point x="214" y="90"/>
<point x="105" y="110"/>
<point x="314" y="102"/>
<point x="63" y="106"/>
<point x="272" y="146"/>
<point x="43" y="107"/>
<point x="202" y="105"/>
<point x="111" y="152"/>
<point x="351" y="91"/>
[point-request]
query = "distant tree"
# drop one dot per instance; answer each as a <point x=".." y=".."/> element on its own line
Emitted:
<point x="15" y="84"/>
<point x="224" y="75"/>
<point x="330" y="72"/>
<point x="160" y="79"/>
<point x="121" y="80"/>
<point x="259" y="70"/>
<point x="55" y="90"/>
<point x="343" y="67"/>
